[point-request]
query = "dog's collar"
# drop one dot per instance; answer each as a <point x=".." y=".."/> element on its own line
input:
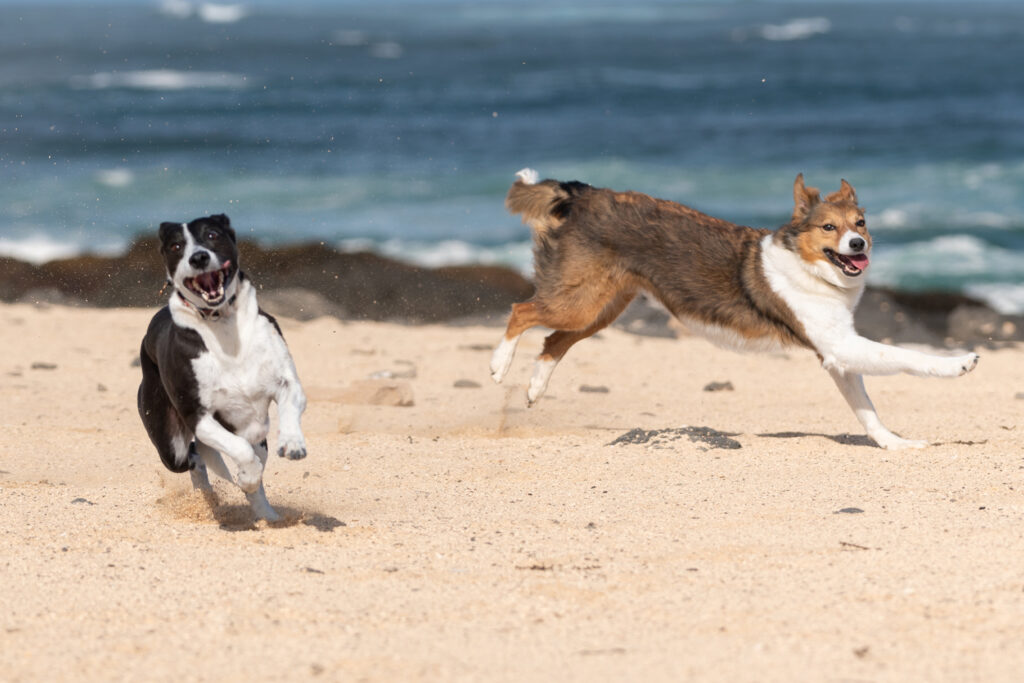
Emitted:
<point x="207" y="313"/>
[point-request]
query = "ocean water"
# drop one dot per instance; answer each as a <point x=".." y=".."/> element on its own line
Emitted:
<point x="398" y="126"/>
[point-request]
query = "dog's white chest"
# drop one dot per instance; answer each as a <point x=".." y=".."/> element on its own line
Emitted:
<point x="248" y="372"/>
<point x="241" y="371"/>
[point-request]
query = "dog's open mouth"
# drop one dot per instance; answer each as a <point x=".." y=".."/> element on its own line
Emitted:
<point x="852" y="265"/>
<point x="210" y="286"/>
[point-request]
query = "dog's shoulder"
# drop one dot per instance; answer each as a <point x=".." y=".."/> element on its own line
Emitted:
<point x="165" y="337"/>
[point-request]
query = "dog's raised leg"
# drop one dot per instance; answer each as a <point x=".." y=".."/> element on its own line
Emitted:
<point x="212" y="461"/>
<point x="851" y="386"/>
<point x="859" y="355"/>
<point x="558" y="343"/>
<point x="291" y="402"/>
<point x="250" y="468"/>
<point x="258" y="498"/>
<point x="524" y="316"/>
<point x="501" y="360"/>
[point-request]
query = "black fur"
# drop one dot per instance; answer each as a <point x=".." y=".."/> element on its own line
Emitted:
<point x="169" y="402"/>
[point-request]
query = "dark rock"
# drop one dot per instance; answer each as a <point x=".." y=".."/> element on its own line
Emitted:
<point x="659" y="437"/>
<point x="466" y="384"/>
<point x="590" y="389"/>
<point x="972" y="324"/>
<point x="359" y="286"/>
<point x="719" y="386"/>
<point x="848" y="511"/>
<point x="39" y="365"/>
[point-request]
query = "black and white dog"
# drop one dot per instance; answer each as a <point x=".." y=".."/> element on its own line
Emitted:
<point x="212" y="362"/>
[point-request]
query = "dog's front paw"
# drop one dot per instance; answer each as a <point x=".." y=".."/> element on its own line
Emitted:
<point x="891" y="442"/>
<point x="250" y="474"/>
<point x="292" y="448"/>
<point x="967" y="362"/>
<point x="951" y="366"/>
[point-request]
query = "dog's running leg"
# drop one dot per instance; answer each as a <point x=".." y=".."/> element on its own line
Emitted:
<point x="197" y="470"/>
<point x="859" y="355"/>
<point x="558" y="343"/>
<point x="214" y="435"/>
<point x="851" y="386"/>
<point x="258" y="498"/>
<point x="212" y="461"/>
<point x="291" y="401"/>
<point x="523" y="317"/>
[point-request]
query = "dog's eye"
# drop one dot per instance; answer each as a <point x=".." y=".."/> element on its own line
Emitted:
<point x="211" y="235"/>
<point x="175" y="248"/>
<point x="860" y="223"/>
<point x="828" y="227"/>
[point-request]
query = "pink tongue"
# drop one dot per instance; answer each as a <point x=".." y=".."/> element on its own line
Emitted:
<point x="859" y="260"/>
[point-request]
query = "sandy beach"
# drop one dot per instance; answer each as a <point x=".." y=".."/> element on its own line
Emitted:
<point x="466" y="537"/>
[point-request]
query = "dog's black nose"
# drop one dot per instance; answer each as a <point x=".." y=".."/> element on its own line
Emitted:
<point x="201" y="259"/>
<point x="857" y="244"/>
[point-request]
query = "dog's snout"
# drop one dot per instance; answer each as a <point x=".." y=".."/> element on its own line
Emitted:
<point x="201" y="259"/>
<point x="857" y="244"/>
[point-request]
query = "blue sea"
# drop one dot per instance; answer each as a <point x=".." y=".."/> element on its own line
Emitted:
<point x="398" y="126"/>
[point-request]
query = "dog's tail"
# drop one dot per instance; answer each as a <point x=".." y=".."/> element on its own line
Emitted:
<point x="544" y="204"/>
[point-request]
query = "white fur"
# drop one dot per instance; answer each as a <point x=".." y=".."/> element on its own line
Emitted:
<point x="824" y="301"/>
<point x="542" y="370"/>
<point x="246" y="366"/>
<point x="528" y="176"/>
<point x="501" y="360"/>
<point x="730" y="339"/>
<point x="844" y="243"/>
<point x="184" y="270"/>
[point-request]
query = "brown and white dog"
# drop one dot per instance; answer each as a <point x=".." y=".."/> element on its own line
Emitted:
<point x="743" y="288"/>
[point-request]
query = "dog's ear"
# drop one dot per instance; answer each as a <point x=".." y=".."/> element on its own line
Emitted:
<point x="846" y="193"/>
<point x="166" y="229"/>
<point x="222" y="220"/>
<point x="804" y="198"/>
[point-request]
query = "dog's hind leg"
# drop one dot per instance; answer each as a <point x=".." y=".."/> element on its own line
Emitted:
<point x="558" y="343"/>
<point x="524" y="316"/>
<point x="166" y="429"/>
<point x="852" y="388"/>
<point x="197" y="471"/>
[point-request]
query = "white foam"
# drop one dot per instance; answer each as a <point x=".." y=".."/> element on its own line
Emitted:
<point x="518" y="255"/>
<point x="796" y="29"/>
<point x="39" y="249"/>
<point x="221" y="14"/>
<point x="160" y="79"/>
<point x="386" y="50"/>
<point x="951" y="258"/>
<point x="180" y="9"/>
<point x="350" y="38"/>
<point x="1005" y="297"/>
<point x="115" y="177"/>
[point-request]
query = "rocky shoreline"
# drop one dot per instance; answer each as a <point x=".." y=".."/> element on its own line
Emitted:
<point x="312" y="280"/>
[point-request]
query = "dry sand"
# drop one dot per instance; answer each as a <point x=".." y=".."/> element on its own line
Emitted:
<point x="466" y="537"/>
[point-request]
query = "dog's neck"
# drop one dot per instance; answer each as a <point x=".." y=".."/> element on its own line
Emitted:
<point x="208" y="313"/>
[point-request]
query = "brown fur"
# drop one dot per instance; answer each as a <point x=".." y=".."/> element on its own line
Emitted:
<point x="805" y="234"/>
<point x="535" y="204"/>
<point x="594" y="249"/>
